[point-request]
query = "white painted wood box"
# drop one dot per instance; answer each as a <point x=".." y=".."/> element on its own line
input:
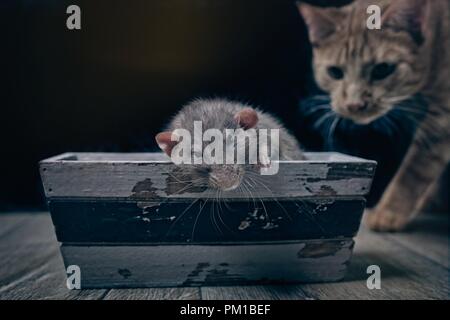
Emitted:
<point x="118" y="218"/>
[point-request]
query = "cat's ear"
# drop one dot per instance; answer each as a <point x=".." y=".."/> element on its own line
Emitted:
<point x="166" y="141"/>
<point x="247" y="118"/>
<point x="321" y="22"/>
<point x="409" y="16"/>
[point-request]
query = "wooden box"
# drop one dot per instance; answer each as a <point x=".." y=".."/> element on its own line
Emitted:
<point x="119" y="219"/>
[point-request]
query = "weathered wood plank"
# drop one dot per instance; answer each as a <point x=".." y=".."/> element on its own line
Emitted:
<point x="26" y="247"/>
<point x="428" y="235"/>
<point x="162" y="157"/>
<point x="45" y="279"/>
<point x="195" y="265"/>
<point x="30" y="228"/>
<point x="280" y="292"/>
<point x="149" y="180"/>
<point x="154" y="294"/>
<point x="9" y="223"/>
<point x="205" y="221"/>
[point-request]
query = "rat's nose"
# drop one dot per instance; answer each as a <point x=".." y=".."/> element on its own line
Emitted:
<point x="227" y="183"/>
<point x="356" y="107"/>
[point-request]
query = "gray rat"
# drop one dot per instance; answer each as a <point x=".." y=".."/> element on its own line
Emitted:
<point x="222" y="114"/>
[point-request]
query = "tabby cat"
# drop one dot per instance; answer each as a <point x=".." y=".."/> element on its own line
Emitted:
<point x="368" y="72"/>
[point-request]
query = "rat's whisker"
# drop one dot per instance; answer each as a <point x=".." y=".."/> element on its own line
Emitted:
<point x="306" y="210"/>
<point x="196" y="219"/>
<point x="180" y="216"/>
<point x="251" y="195"/>
<point x="213" y="216"/>
<point x="275" y="199"/>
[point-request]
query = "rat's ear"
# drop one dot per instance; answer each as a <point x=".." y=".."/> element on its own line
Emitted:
<point x="166" y="141"/>
<point x="321" y="22"/>
<point x="409" y="16"/>
<point x="247" y="118"/>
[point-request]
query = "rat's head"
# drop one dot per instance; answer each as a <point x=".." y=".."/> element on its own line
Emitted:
<point x="219" y="176"/>
<point x="366" y="72"/>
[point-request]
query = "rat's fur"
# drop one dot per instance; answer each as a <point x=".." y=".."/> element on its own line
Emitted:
<point x="222" y="114"/>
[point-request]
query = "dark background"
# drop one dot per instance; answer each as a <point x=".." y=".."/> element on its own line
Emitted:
<point x="114" y="84"/>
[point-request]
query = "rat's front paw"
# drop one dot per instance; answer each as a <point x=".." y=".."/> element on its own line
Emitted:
<point x="385" y="220"/>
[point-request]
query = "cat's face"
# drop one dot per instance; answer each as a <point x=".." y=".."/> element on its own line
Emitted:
<point x="366" y="72"/>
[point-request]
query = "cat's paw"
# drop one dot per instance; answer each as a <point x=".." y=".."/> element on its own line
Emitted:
<point x="384" y="220"/>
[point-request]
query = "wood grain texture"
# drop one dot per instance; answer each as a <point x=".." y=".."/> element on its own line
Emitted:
<point x="196" y="265"/>
<point x="31" y="265"/>
<point x="154" y="294"/>
<point x="26" y="247"/>
<point x="205" y="221"/>
<point x="430" y="229"/>
<point x="105" y="176"/>
<point x="10" y="223"/>
<point x="274" y="292"/>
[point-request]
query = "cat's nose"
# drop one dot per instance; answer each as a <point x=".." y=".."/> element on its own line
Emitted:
<point x="355" y="107"/>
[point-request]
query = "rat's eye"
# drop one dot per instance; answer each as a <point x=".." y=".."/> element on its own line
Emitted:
<point x="335" y="72"/>
<point x="382" y="71"/>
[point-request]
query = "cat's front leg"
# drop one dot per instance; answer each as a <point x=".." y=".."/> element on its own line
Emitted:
<point x="410" y="187"/>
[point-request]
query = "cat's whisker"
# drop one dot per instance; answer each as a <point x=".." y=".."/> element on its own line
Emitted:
<point x="317" y="108"/>
<point x="388" y="126"/>
<point x="408" y="126"/>
<point x="331" y="132"/>
<point x="425" y="131"/>
<point x="419" y="113"/>
<point x="396" y="99"/>
<point x="323" y="118"/>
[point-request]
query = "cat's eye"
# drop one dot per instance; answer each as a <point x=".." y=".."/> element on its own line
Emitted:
<point x="335" y="72"/>
<point x="382" y="71"/>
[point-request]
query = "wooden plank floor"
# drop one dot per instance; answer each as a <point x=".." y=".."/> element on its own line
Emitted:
<point x="414" y="265"/>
